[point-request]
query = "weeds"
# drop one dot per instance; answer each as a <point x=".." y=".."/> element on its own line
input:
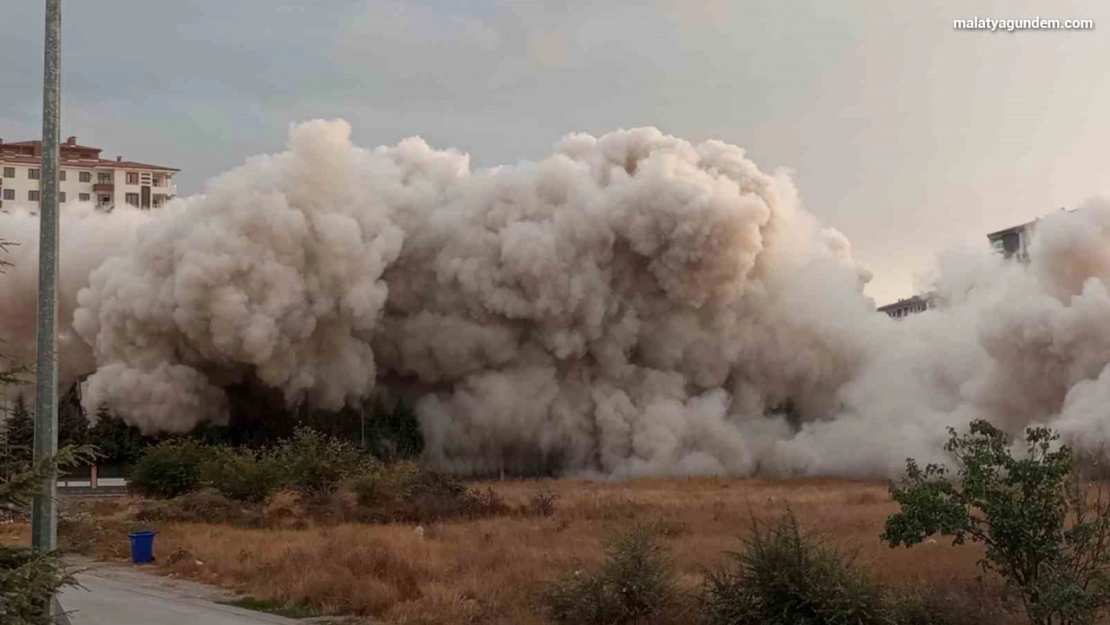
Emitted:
<point x="636" y="582"/>
<point x="785" y="578"/>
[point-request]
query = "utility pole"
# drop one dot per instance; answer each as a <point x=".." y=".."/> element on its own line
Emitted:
<point x="44" y="534"/>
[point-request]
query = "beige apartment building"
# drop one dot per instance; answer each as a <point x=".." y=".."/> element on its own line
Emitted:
<point x="83" y="177"/>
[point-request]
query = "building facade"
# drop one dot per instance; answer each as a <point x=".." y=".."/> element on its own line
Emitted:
<point x="1013" y="242"/>
<point x="909" y="306"/>
<point x="83" y="177"/>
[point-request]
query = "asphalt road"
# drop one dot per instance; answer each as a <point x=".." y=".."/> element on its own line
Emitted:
<point x="117" y="596"/>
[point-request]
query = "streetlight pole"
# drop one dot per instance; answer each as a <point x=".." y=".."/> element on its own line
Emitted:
<point x="44" y="532"/>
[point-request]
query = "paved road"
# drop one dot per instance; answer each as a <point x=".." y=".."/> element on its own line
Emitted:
<point x="121" y="596"/>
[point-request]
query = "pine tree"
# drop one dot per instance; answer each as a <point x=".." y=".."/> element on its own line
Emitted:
<point x="21" y="432"/>
<point x="73" y="427"/>
<point x="116" y="441"/>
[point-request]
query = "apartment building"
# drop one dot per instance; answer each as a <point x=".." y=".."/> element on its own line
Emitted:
<point x="83" y="177"/>
<point x="1013" y="242"/>
<point x="909" y="306"/>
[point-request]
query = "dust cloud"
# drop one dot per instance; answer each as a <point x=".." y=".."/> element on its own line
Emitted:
<point x="633" y="304"/>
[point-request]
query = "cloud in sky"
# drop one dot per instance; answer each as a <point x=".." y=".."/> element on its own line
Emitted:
<point x="905" y="134"/>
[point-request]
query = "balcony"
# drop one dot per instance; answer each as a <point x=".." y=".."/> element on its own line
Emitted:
<point x="105" y="187"/>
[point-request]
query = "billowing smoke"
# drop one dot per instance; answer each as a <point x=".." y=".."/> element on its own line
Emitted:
<point x="632" y="304"/>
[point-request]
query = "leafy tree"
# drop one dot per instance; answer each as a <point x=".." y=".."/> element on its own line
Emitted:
<point x="21" y="431"/>
<point x="171" y="468"/>
<point x="1045" y="531"/>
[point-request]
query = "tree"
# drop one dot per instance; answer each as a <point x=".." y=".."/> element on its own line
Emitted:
<point x="30" y="579"/>
<point x="117" y="442"/>
<point x="1045" y="530"/>
<point x="393" y="435"/>
<point x="21" y="431"/>
<point x="73" y="426"/>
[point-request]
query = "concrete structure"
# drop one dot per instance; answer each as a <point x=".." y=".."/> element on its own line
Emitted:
<point x="84" y="177"/>
<point x="1013" y="242"/>
<point x="905" y="307"/>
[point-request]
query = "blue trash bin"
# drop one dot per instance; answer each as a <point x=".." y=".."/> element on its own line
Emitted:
<point x="142" y="547"/>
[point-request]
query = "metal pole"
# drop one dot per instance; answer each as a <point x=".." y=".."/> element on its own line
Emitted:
<point x="44" y="532"/>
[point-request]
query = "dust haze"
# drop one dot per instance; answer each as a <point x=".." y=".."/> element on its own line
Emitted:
<point x="633" y="304"/>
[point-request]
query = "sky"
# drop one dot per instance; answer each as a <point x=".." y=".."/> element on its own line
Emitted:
<point x="909" y="136"/>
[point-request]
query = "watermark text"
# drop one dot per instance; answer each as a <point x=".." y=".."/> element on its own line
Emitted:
<point x="981" y="23"/>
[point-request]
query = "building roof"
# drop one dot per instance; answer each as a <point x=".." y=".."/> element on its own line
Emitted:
<point x="68" y="148"/>
<point x="84" y="162"/>
<point x="908" y="301"/>
<point x="35" y="143"/>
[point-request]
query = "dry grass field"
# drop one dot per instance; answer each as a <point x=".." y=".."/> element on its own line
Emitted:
<point x="492" y="570"/>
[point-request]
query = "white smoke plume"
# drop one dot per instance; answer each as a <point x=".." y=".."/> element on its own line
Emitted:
<point x="87" y="237"/>
<point x="632" y="304"/>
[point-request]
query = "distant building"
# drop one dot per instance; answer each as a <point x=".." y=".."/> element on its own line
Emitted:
<point x="906" y="307"/>
<point x="83" y="177"/>
<point x="1013" y="242"/>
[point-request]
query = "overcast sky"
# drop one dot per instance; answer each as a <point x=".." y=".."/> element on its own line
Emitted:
<point x="904" y="133"/>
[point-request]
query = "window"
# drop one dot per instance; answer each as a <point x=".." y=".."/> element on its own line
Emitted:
<point x="62" y="197"/>
<point x="32" y="196"/>
<point x="103" y="200"/>
<point x="104" y="177"/>
<point x="62" y="177"/>
<point x="9" y="172"/>
<point x="132" y="177"/>
<point x="9" y="194"/>
<point x="33" y="174"/>
<point x="84" y="197"/>
<point x="132" y="199"/>
<point x="85" y="176"/>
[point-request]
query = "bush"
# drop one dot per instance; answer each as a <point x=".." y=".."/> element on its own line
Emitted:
<point x="205" y="506"/>
<point x="785" y="578"/>
<point x="1041" y="531"/>
<point x="544" y="502"/>
<point x="315" y="464"/>
<point x="408" y="492"/>
<point x="636" y="582"/>
<point x="170" y="469"/>
<point x="242" y="475"/>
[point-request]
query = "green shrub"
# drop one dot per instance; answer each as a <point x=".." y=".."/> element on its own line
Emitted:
<point x="1043" y="531"/>
<point x="785" y="578"/>
<point x="315" y="464"/>
<point x="635" y="583"/>
<point x="170" y="469"/>
<point x="241" y="474"/>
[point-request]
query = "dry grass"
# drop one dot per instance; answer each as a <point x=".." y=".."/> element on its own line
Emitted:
<point x="492" y="570"/>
